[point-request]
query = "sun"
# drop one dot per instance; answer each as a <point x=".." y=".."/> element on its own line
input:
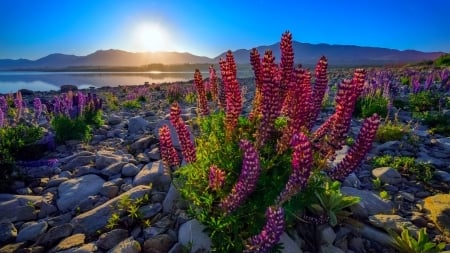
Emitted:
<point x="151" y="37"/>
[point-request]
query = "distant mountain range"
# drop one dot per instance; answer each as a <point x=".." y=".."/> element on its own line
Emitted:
<point x="305" y="53"/>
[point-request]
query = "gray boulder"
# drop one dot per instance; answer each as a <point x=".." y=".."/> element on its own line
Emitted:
<point x="73" y="191"/>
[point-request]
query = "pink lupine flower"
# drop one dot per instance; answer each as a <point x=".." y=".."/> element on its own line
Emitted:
<point x="270" y="234"/>
<point x="320" y="86"/>
<point x="2" y="119"/>
<point x="37" y="104"/>
<point x="213" y="83"/>
<point x="184" y="136"/>
<point x="201" y="93"/>
<point x="168" y="153"/>
<point x="358" y="150"/>
<point x="247" y="180"/>
<point x="302" y="159"/>
<point x="257" y="70"/>
<point x="216" y="178"/>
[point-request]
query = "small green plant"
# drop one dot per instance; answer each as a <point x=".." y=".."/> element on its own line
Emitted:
<point x="391" y="131"/>
<point x="132" y="104"/>
<point x="190" y="98"/>
<point x="368" y="105"/>
<point x="406" y="243"/>
<point x="131" y="208"/>
<point x="377" y="183"/>
<point x="113" y="221"/>
<point x="71" y="129"/>
<point x="423" y="101"/>
<point x="406" y="165"/>
<point x="349" y="141"/>
<point x="438" y="122"/>
<point x="112" y="101"/>
<point x="385" y="195"/>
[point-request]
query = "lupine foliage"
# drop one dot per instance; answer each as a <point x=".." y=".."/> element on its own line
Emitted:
<point x="268" y="166"/>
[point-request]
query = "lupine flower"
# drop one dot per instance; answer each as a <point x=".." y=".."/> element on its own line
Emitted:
<point x="358" y="150"/>
<point x="18" y="104"/>
<point x="37" y="108"/>
<point x="168" y="153"/>
<point x="257" y="70"/>
<point x="429" y="81"/>
<point x="302" y="159"/>
<point x="270" y="234"/>
<point x="2" y="119"/>
<point x="232" y="93"/>
<point x="246" y="182"/>
<point x="415" y="85"/>
<point x="213" y="82"/>
<point x="3" y="104"/>
<point x="201" y="93"/>
<point x="271" y="101"/>
<point x="187" y="146"/>
<point x="320" y="86"/>
<point x="216" y="178"/>
<point x="287" y="59"/>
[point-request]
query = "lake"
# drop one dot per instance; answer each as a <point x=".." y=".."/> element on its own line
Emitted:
<point x="11" y="81"/>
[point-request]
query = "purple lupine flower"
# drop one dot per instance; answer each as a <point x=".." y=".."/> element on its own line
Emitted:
<point x="429" y="81"/>
<point x="358" y="150"/>
<point x="3" y="104"/>
<point x="168" y="153"/>
<point x="216" y="178"/>
<point x="246" y="182"/>
<point x="2" y="119"/>
<point x="415" y="85"/>
<point x="321" y="83"/>
<point x="444" y="74"/>
<point x="19" y="107"/>
<point x="302" y="159"/>
<point x="37" y="104"/>
<point x="270" y="234"/>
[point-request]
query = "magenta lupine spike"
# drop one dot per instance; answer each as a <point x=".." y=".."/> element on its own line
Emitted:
<point x="271" y="101"/>
<point x="320" y="86"/>
<point x="359" y="149"/>
<point x="216" y="178"/>
<point x="429" y="80"/>
<point x="287" y="59"/>
<point x="202" y="102"/>
<point x="247" y="180"/>
<point x="37" y="104"/>
<point x="213" y="81"/>
<point x="232" y="93"/>
<point x="257" y="70"/>
<point x="168" y="153"/>
<point x="187" y="146"/>
<point x="302" y="159"/>
<point x="270" y="234"/>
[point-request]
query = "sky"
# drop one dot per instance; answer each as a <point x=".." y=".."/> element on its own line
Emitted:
<point x="32" y="29"/>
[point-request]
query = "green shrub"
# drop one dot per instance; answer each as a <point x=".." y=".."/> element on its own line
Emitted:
<point x="405" y="242"/>
<point x="132" y="104"/>
<point x="438" y="122"/>
<point x="71" y="129"/>
<point x="423" y="101"/>
<point x="368" y="105"/>
<point x="190" y="98"/>
<point x="391" y="131"/>
<point x="93" y="118"/>
<point x="406" y="165"/>
<point x="112" y="102"/>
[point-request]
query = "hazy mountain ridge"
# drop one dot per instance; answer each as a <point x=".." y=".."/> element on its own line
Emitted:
<point x="305" y="53"/>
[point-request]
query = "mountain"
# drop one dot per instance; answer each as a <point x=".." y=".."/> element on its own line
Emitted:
<point x="340" y="55"/>
<point x="305" y="53"/>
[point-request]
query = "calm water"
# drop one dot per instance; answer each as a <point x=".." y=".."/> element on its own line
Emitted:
<point x="11" y="81"/>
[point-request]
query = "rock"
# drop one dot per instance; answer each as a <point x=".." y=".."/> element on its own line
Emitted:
<point x="79" y="161"/>
<point x="54" y="234"/>
<point x="154" y="154"/>
<point x="73" y="191"/>
<point x="356" y="244"/>
<point x="59" y="220"/>
<point x="30" y="231"/>
<point x="97" y="218"/>
<point x="113" y="169"/>
<point x="327" y="248"/>
<point x="390" y="145"/>
<point x="23" y="206"/>
<point x="173" y="133"/>
<point x="130" y="170"/>
<point x="425" y="158"/>
<point x="127" y="246"/>
<point x="442" y="175"/>
<point x="136" y="124"/>
<point x="70" y="242"/>
<point x="289" y="246"/>
<point x="159" y="243"/>
<point x="387" y="175"/>
<point x="326" y="234"/>
<point x="12" y="248"/>
<point x="142" y="143"/>
<point x="108" y="240"/>
<point x="86" y="248"/>
<point x="352" y="181"/>
<point x="369" y="204"/>
<point x="443" y="144"/>
<point x="439" y="212"/>
<point x="407" y="196"/>
<point x="114" y="119"/>
<point x="171" y="197"/>
<point x="103" y="159"/>
<point x="68" y="87"/>
<point x="176" y="248"/>
<point x="8" y="232"/>
<point x="191" y="234"/>
<point x="392" y="221"/>
<point x="150" y="210"/>
<point x="109" y="190"/>
<point x="153" y="173"/>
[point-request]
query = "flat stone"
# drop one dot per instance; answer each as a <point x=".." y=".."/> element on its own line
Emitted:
<point x="150" y="210"/>
<point x="113" y="169"/>
<point x="153" y="173"/>
<point x="114" y="119"/>
<point x="22" y="206"/>
<point x="110" y="239"/>
<point x="442" y="175"/>
<point x="142" y="143"/>
<point x="159" y="243"/>
<point x="439" y="212"/>
<point x="8" y="232"/>
<point x="127" y="246"/>
<point x="171" y="197"/>
<point x="30" y="231"/>
<point x="387" y="175"/>
<point x="130" y="170"/>
<point x="79" y="161"/>
<point x="136" y="124"/>
<point x="105" y="158"/>
<point x="97" y="218"/>
<point x="73" y="191"/>
<point x="289" y="245"/>
<point x="191" y="234"/>
<point x="70" y="242"/>
<point x="370" y="203"/>
<point x="392" y="221"/>
<point x="55" y="234"/>
<point x="326" y="234"/>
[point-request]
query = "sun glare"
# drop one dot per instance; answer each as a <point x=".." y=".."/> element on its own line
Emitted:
<point x="151" y="37"/>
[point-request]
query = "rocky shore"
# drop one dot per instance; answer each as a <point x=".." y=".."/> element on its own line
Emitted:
<point x="67" y="206"/>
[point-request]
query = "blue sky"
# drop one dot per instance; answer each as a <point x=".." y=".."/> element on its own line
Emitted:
<point x="33" y="29"/>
